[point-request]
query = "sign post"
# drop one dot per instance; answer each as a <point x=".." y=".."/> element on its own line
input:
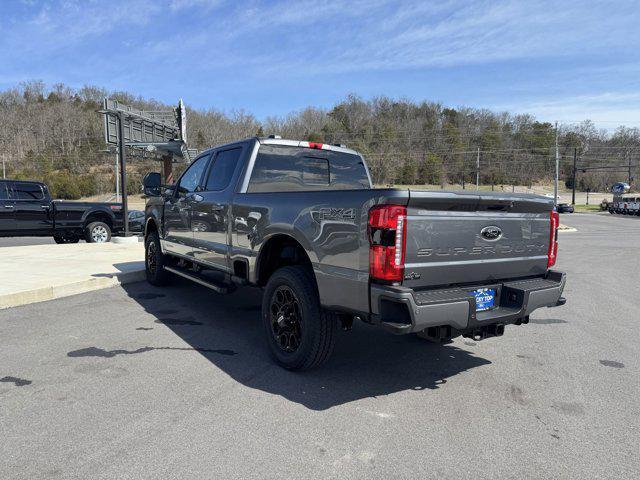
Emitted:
<point x="167" y="169"/>
<point x="123" y="172"/>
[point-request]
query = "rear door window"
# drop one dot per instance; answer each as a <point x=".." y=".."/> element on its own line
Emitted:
<point x="4" y="192"/>
<point x="280" y="168"/>
<point x="222" y="169"/>
<point x="28" y="191"/>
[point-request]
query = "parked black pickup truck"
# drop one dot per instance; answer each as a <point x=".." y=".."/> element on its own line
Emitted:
<point x="302" y="220"/>
<point x="26" y="209"/>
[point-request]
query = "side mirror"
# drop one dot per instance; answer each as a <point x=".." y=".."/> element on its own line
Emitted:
<point x="151" y="184"/>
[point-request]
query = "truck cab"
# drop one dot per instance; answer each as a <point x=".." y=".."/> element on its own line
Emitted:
<point x="25" y="208"/>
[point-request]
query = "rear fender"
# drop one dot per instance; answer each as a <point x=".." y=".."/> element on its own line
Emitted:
<point x="282" y="230"/>
<point x="101" y="212"/>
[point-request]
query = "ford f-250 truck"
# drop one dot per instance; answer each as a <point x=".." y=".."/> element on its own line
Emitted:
<point x="302" y="220"/>
<point x="26" y="210"/>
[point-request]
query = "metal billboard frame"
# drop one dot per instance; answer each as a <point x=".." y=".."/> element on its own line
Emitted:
<point x="144" y="132"/>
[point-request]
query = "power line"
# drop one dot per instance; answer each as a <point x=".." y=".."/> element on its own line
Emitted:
<point x="441" y="131"/>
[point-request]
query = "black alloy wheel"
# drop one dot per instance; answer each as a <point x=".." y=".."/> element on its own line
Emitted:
<point x="286" y="318"/>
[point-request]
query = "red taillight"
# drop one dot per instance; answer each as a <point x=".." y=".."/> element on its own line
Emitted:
<point x="315" y="145"/>
<point x="387" y="239"/>
<point x="552" y="254"/>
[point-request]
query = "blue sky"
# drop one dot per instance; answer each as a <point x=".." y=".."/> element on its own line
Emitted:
<point x="559" y="60"/>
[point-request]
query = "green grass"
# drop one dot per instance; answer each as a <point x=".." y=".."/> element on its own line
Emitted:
<point x="587" y="208"/>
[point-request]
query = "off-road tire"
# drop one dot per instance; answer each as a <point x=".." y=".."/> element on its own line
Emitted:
<point x="318" y="328"/>
<point x="97" y="232"/>
<point x="154" y="261"/>
<point x="60" y="239"/>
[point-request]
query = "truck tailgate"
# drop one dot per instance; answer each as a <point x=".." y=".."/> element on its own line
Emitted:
<point x="475" y="238"/>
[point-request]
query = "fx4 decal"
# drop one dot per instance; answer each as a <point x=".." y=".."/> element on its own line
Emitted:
<point x="339" y="214"/>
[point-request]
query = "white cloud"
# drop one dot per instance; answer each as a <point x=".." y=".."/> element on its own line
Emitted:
<point x="481" y="32"/>
<point x="464" y="33"/>
<point x="205" y="5"/>
<point x="357" y="35"/>
<point x="52" y="26"/>
<point x="607" y="110"/>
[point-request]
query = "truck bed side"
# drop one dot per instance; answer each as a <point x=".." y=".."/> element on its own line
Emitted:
<point x="331" y="226"/>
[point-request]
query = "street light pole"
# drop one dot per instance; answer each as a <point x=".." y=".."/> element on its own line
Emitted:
<point x="573" y="182"/>
<point x="478" y="170"/>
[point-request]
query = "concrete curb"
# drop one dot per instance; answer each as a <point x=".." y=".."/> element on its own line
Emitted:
<point x="125" y="240"/>
<point x="26" y="297"/>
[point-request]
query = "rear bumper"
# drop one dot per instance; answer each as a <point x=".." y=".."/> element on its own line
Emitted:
<point x="402" y="310"/>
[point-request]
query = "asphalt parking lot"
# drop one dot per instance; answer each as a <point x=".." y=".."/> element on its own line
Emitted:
<point x="142" y="382"/>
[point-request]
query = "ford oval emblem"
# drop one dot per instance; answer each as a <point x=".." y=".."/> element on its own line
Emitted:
<point x="491" y="233"/>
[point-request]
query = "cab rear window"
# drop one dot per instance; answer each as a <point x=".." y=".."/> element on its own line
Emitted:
<point x="280" y="168"/>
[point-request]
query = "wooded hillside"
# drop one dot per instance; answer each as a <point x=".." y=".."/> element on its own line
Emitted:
<point x="54" y="134"/>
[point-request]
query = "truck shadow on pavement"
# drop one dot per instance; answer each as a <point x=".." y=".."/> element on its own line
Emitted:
<point x="226" y="329"/>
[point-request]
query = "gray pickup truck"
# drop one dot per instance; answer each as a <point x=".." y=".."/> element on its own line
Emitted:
<point x="302" y="221"/>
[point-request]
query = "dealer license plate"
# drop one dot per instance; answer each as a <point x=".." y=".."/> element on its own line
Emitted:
<point x="485" y="298"/>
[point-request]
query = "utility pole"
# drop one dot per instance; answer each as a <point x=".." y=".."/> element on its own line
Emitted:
<point x="123" y="172"/>
<point x="629" y="163"/>
<point x="573" y="182"/>
<point x="4" y="168"/>
<point x="555" y="185"/>
<point x="478" y="170"/>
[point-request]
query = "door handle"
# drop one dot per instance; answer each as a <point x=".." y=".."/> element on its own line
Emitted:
<point x="44" y="207"/>
<point x="9" y="206"/>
